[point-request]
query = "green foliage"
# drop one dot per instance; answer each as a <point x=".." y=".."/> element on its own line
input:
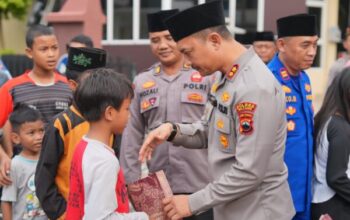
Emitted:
<point x="15" y="8"/>
<point x="7" y="52"/>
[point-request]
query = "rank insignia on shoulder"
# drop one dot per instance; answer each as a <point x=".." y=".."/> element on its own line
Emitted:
<point x="286" y="89"/>
<point x="291" y="125"/>
<point x="224" y="140"/>
<point x="245" y="112"/>
<point x="196" y="77"/>
<point x="148" y="84"/>
<point x="232" y="72"/>
<point x="291" y="110"/>
<point x="225" y="96"/>
<point x="187" y="66"/>
<point x="195" y="97"/>
<point x="284" y="74"/>
<point x="307" y="88"/>
<point x="157" y="69"/>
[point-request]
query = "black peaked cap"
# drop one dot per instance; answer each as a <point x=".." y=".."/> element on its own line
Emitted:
<point x="297" y="25"/>
<point x="264" y="36"/>
<point x="156" y="20"/>
<point x="195" y="19"/>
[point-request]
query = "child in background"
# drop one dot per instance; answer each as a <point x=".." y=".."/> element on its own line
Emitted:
<point x="97" y="186"/>
<point x="19" y="200"/>
<point x="41" y="88"/>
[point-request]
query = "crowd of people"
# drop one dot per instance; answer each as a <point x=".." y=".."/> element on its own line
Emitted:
<point x="231" y="125"/>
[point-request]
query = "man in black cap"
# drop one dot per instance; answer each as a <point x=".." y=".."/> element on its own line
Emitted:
<point x="170" y="90"/>
<point x="61" y="137"/>
<point x="297" y="45"/>
<point x="264" y="45"/>
<point x="243" y="126"/>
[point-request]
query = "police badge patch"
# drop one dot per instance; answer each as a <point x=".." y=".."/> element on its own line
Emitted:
<point x="245" y="111"/>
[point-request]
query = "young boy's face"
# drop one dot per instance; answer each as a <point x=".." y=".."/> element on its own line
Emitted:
<point x="44" y="52"/>
<point x="30" y="136"/>
<point x="121" y="117"/>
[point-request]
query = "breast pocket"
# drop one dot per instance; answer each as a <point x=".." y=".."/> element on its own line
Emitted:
<point x="192" y="105"/>
<point x="150" y="110"/>
<point x="224" y="128"/>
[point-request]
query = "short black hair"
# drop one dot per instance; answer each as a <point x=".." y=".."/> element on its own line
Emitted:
<point x="37" y="31"/>
<point x="73" y="75"/>
<point x="102" y="88"/>
<point x="21" y="114"/>
<point x="220" y="29"/>
<point x="83" y="39"/>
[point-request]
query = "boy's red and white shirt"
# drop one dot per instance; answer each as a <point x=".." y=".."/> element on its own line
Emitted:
<point x="97" y="185"/>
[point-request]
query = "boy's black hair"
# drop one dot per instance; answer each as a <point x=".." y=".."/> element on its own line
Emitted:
<point x="37" y="31"/>
<point x="83" y="39"/>
<point x="21" y="114"/>
<point x="102" y="88"/>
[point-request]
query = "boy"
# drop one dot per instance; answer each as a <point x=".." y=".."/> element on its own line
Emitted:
<point x="18" y="199"/>
<point x="41" y="88"/>
<point x="97" y="186"/>
<point x="61" y="137"/>
<point x="80" y="40"/>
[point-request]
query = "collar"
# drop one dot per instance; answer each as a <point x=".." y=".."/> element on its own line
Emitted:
<point x="76" y="111"/>
<point x="240" y="63"/>
<point x="279" y="67"/>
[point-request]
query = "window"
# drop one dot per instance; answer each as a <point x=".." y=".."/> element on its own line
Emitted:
<point x="317" y="7"/>
<point x="127" y="19"/>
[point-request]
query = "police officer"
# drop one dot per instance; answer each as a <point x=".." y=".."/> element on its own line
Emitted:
<point x="170" y="90"/>
<point x="243" y="127"/>
<point x="297" y="45"/>
<point x="264" y="45"/>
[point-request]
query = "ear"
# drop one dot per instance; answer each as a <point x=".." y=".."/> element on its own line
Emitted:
<point x="72" y="84"/>
<point x="215" y="40"/>
<point x="29" y="52"/>
<point x="109" y="113"/>
<point x="15" y="138"/>
<point x="280" y="43"/>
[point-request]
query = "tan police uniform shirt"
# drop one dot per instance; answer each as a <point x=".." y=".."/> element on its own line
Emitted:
<point x="158" y="98"/>
<point x="244" y="129"/>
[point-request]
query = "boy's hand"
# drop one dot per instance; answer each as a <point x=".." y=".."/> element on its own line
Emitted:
<point x="154" y="138"/>
<point x="5" y="166"/>
<point x="177" y="207"/>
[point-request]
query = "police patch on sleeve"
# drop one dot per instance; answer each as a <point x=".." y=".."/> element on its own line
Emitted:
<point x="245" y="111"/>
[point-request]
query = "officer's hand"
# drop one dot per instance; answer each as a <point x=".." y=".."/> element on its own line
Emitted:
<point x="177" y="207"/>
<point x="154" y="138"/>
<point x="5" y="166"/>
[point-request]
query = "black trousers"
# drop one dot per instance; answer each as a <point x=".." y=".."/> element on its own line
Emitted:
<point x="336" y="207"/>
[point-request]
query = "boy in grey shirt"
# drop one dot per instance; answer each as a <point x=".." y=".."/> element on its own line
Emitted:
<point x="18" y="199"/>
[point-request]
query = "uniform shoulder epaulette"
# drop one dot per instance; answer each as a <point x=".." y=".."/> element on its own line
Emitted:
<point x="187" y="66"/>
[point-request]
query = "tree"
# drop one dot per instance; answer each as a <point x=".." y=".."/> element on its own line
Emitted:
<point x="12" y="8"/>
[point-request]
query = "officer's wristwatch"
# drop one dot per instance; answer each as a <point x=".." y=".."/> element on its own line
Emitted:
<point x="173" y="132"/>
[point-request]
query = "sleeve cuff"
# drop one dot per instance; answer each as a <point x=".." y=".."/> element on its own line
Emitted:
<point x="184" y="130"/>
<point x="197" y="202"/>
